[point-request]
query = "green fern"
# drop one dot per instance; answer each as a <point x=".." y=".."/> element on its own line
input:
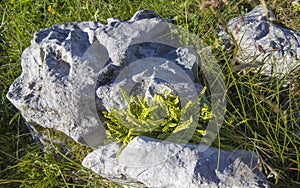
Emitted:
<point x="160" y="119"/>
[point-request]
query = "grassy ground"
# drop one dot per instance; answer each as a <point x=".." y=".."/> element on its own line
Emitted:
<point x="255" y="118"/>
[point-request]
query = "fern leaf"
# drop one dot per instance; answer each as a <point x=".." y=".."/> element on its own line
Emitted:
<point x="161" y="119"/>
<point x="184" y="125"/>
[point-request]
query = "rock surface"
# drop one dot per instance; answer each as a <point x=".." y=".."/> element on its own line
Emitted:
<point x="56" y="87"/>
<point x="72" y="72"/>
<point x="163" y="164"/>
<point x="263" y="44"/>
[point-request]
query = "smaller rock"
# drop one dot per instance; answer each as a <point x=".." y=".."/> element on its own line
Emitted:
<point x="157" y="163"/>
<point x="264" y="45"/>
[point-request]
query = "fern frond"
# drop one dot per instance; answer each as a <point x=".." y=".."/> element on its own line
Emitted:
<point x="161" y="119"/>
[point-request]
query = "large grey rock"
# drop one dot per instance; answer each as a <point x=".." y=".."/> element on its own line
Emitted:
<point x="56" y="87"/>
<point x="164" y="164"/>
<point x="72" y="72"/>
<point x="263" y="44"/>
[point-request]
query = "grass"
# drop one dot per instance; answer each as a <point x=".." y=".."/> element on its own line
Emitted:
<point x="260" y="114"/>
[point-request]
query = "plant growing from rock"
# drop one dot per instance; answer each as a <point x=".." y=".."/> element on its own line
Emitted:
<point x="159" y="119"/>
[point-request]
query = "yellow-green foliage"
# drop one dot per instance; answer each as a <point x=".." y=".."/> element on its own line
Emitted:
<point x="296" y="5"/>
<point x="160" y="119"/>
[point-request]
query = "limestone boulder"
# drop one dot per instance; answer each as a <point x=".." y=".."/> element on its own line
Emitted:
<point x="153" y="163"/>
<point x="72" y="72"/>
<point x="264" y="45"/>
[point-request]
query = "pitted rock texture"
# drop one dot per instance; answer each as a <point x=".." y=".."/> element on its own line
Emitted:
<point x="73" y="72"/>
<point x="56" y="87"/>
<point x="264" y="45"/>
<point x="163" y="164"/>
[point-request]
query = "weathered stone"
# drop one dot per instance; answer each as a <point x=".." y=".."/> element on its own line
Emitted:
<point x="164" y="164"/>
<point x="263" y="44"/>
<point x="74" y="71"/>
<point x="56" y="87"/>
